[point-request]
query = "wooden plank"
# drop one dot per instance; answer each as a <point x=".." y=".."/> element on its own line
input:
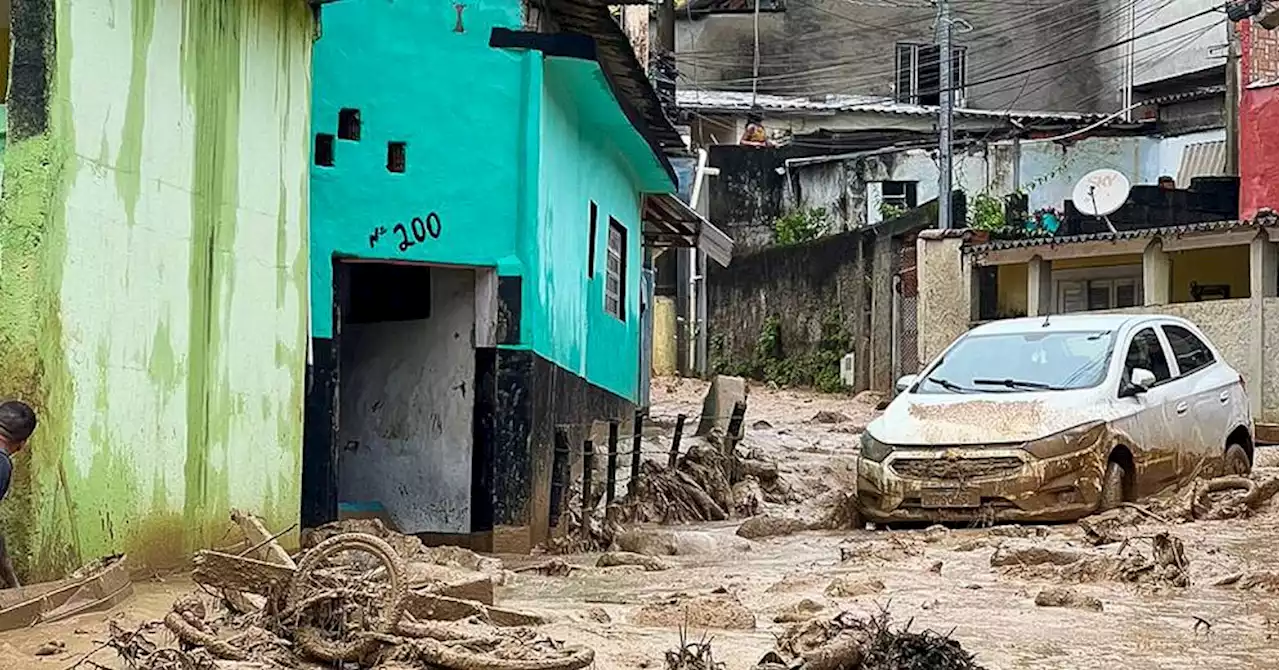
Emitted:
<point x="1266" y="433"/>
<point x="257" y="534"/>
<point x="100" y="588"/>
<point x="239" y="573"/>
<point x="432" y="607"/>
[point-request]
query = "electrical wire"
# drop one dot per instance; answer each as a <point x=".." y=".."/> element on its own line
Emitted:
<point x="995" y="77"/>
<point x="1033" y="84"/>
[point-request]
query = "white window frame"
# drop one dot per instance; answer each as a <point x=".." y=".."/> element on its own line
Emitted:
<point x="960" y="55"/>
<point x="615" y="269"/>
<point x="1110" y="273"/>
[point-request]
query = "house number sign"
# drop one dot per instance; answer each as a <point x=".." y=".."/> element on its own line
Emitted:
<point x="417" y="232"/>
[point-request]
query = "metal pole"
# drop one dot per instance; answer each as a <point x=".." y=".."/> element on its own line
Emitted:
<point x="945" y="99"/>
<point x="634" y="484"/>
<point x="1231" y="113"/>
<point x="588" y="471"/>
<point x="675" y="442"/>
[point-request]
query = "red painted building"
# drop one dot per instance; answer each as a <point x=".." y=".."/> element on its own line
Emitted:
<point x="1259" y="120"/>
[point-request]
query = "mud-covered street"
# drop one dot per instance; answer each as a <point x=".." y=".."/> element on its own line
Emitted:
<point x="1014" y="596"/>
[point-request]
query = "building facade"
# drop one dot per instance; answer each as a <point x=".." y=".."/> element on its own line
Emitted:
<point x="153" y="240"/>
<point x="1259" y="119"/>
<point x="485" y="181"/>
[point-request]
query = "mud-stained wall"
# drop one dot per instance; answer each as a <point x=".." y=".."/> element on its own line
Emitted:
<point x="407" y="402"/>
<point x="943" y="307"/>
<point x="154" y="246"/>
<point x="1270" y="361"/>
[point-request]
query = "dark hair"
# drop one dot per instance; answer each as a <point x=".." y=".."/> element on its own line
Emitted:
<point x="17" y="420"/>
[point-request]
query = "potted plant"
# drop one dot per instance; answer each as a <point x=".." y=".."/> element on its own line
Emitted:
<point x="986" y="216"/>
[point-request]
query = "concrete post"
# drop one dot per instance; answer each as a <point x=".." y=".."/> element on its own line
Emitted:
<point x="1263" y="274"/>
<point x="1039" y="287"/>
<point x="944" y="300"/>
<point x="1155" y="274"/>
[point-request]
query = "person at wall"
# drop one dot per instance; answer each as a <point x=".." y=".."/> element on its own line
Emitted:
<point x="17" y="422"/>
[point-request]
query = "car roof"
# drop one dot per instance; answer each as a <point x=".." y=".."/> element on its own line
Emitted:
<point x="1065" y="323"/>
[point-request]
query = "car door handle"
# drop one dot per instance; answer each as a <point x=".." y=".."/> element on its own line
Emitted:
<point x="1182" y="408"/>
<point x="1224" y="397"/>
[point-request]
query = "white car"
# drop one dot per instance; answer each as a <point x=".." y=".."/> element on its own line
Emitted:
<point x="1053" y="418"/>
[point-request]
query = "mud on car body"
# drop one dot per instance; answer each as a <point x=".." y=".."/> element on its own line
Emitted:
<point x="1051" y="419"/>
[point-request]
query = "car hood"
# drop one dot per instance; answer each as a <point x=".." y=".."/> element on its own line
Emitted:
<point x="990" y="418"/>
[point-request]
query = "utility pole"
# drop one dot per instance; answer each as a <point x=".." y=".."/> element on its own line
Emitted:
<point x="945" y="98"/>
<point x="667" y="27"/>
<point x="1231" y="110"/>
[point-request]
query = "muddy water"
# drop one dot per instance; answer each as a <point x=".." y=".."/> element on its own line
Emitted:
<point x="991" y="613"/>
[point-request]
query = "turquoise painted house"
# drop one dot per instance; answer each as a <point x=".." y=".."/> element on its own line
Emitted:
<point x="488" y="180"/>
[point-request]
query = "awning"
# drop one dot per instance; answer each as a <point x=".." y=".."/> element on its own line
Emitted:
<point x="669" y="222"/>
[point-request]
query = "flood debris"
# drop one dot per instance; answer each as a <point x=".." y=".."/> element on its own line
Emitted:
<point x="847" y="587"/>
<point x="619" y="558"/>
<point x="721" y="611"/>
<point x="692" y="655"/>
<point x="767" y="525"/>
<point x="349" y="598"/>
<point x="1158" y="559"/>
<point x="1060" y="596"/>
<point x="847" y="642"/>
<point x="801" y="610"/>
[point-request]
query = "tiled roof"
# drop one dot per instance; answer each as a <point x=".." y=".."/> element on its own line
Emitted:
<point x="1213" y="226"/>
<point x="734" y="101"/>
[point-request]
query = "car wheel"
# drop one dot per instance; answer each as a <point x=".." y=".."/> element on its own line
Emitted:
<point x="1112" y="487"/>
<point x="1236" y="461"/>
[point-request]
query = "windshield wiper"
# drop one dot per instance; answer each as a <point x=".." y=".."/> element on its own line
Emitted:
<point x="949" y="385"/>
<point x="1018" y="384"/>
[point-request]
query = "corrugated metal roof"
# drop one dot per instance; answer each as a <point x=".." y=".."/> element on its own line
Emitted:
<point x="1213" y="226"/>
<point x="1202" y="159"/>
<point x="734" y="101"/>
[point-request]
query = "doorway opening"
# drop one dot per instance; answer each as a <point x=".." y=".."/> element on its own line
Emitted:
<point x="406" y="396"/>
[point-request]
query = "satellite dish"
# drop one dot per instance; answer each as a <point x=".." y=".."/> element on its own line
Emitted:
<point x="1100" y="192"/>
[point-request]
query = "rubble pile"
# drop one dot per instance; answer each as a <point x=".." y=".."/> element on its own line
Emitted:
<point x="1152" y="559"/>
<point x="349" y="599"/>
<point x="846" y="642"/>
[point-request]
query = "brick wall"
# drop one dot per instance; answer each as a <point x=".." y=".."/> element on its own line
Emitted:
<point x="1259" y="172"/>
<point x="1259" y="54"/>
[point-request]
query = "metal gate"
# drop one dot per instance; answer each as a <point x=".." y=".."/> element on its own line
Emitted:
<point x="906" y="335"/>
<point x="906" y="359"/>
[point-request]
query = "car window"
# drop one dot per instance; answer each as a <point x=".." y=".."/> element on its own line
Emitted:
<point x="1022" y="362"/>
<point x="1190" y="351"/>
<point x="1145" y="352"/>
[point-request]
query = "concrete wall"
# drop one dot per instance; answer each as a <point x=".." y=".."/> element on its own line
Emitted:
<point x="945" y="295"/>
<point x="814" y="48"/>
<point x="1180" y="50"/>
<point x="407" y="403"/>
<point x="154" y="245"/>
<point x="1270" y="386"/>
<point x="514" y="197"/>
<point x="1259" y="148"/>
<point x="469" y="179"/>
<point x="1060" y="167"/>
<point x="570" y="325"/>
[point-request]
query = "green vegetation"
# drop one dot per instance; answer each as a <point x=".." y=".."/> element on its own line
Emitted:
<point x="819" y="369"/>
<point x="890" y="211"/>
<point x="986" y="213"/>
<point x="799" y="225"/>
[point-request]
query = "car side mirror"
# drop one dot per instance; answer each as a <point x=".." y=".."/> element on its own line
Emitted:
<point x="1139" y="381"/>
<point x="905" y="382"/>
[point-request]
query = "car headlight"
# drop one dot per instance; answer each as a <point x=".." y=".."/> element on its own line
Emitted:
<point x="873" y="449"/>
<point x="1066" y="442"/>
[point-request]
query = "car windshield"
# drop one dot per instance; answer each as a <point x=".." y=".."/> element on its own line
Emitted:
<point x="1022" y="362"/>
